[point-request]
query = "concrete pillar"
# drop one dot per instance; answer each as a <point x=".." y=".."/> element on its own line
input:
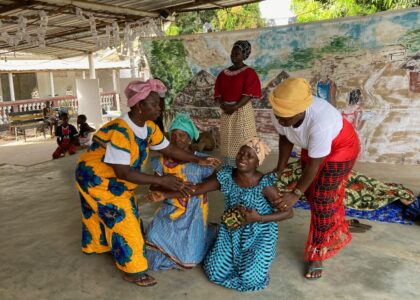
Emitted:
<point x="133" y="68"/>
<point x="115" y="88"/>
<point x="52" y="89"/>
<point x="11" y="87"/>
<point x="92" y="72"/>
<point x="84" y="74"/>
<point x="114" y="80"/>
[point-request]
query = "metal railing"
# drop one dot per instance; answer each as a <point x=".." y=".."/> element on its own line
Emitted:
<point x="108" y="102"/>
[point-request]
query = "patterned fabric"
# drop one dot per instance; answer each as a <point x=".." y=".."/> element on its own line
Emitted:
<point x="241" y="258"/>
<point x="362" y="193"/>
<point x="235" y="129"/>
<point x="234" y="217"/>
<point x="391" y="213"/>
<point x="245" y="47"/>
<point x="328" y="232"/>
<point x="109" y="207"/>
<point x="412" y="211"/>
<point x="178" y="236"/>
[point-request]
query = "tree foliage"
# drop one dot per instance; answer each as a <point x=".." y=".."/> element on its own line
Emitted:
<point x="238" y="17"/>
<point x="314" y="10"/>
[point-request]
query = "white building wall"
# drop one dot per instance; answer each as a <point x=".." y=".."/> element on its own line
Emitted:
<point x="67" y="79"/>
<point x="43" y="84"/>
<point x="64" y="80"/>
<point x="105" y="80"/>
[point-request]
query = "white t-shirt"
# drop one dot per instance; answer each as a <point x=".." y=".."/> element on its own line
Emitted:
<point x="320" y="127"/>
<point x="120" y="157"/>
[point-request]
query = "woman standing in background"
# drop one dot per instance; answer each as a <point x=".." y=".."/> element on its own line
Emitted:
<point x="234" y="88"/>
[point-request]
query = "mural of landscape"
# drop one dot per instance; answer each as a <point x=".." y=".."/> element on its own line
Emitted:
<point x="368" y="67"/>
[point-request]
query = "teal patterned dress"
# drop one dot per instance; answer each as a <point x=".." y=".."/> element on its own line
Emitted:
<point x="241" y="258"/>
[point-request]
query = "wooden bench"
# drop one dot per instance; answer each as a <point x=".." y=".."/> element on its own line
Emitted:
<point x="20" y="121"/>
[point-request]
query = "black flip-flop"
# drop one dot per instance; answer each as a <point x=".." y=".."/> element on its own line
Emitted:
<point x="356" y="226"/>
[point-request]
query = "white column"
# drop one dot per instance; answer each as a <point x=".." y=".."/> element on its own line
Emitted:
<point x="115" y="88"/>
<point x="92" y="72"/>
<point x="11" y="87"/>
<point x="84" y="74"/>
<point x="133" y="68"/>
<point x="114" y="80"/>
<point x="52" y="89"/>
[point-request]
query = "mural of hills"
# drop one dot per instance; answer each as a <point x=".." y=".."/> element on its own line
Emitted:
<point x="197" y="97"/>
<point x="263" y="103"/>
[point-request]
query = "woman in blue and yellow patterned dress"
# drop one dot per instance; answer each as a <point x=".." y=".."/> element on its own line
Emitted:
<point x="112" y="168"/>
<point x="178" y="236"/>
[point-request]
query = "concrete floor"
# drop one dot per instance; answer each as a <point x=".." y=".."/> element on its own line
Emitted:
<point x="40" y="255"/>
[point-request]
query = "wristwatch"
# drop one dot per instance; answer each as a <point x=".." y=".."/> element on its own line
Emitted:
<point x="297" y="192"/>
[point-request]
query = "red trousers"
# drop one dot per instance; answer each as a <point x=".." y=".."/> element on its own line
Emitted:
<point x="63" y="148"/>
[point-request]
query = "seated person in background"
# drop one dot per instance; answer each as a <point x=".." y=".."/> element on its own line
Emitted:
<point x="85" y="131"/>
<point x="66" y="138"/>
<point x="50" y="117"/>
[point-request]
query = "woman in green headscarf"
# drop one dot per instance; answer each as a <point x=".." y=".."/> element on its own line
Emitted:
<point x="178" y="236"/>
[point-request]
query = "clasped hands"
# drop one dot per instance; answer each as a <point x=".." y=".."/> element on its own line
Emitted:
<point x="168" y="184"/>
<point x="209" y="162"/>
<point x="228" y="108"/>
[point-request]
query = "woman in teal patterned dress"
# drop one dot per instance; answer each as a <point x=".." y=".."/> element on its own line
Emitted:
<point x="241" y="258"/>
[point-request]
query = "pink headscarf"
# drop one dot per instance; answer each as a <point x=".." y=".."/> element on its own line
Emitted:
<point x="137" y="91"/>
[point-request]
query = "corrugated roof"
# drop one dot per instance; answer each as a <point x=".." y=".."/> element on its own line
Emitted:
<point x="69" y="36"/>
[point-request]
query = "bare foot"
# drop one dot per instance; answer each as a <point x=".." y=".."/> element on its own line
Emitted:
<point x="314" y="269"/>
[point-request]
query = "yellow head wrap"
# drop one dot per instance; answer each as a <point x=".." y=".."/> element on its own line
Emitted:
<point x="261" y="149"/>
<point x="291" y="97"/>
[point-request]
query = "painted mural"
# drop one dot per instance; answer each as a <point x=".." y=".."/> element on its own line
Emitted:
<point x="367" y="67"/>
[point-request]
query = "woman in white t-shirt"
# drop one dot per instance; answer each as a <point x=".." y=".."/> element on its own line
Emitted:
<point x="330" y="147"/>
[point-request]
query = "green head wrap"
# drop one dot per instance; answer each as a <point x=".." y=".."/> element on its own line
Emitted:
<point x="183" y="122"/>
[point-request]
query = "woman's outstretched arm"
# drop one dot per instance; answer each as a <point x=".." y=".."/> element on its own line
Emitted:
<point x="210" y="185"/>
<point x="170" y="182"/>
<point x="179" y="154"/>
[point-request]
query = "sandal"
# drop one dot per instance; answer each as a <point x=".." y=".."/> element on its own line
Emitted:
<point x="144" y="280"/>
<point x="356" y="226"/>
<point x="312" y="269"/>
